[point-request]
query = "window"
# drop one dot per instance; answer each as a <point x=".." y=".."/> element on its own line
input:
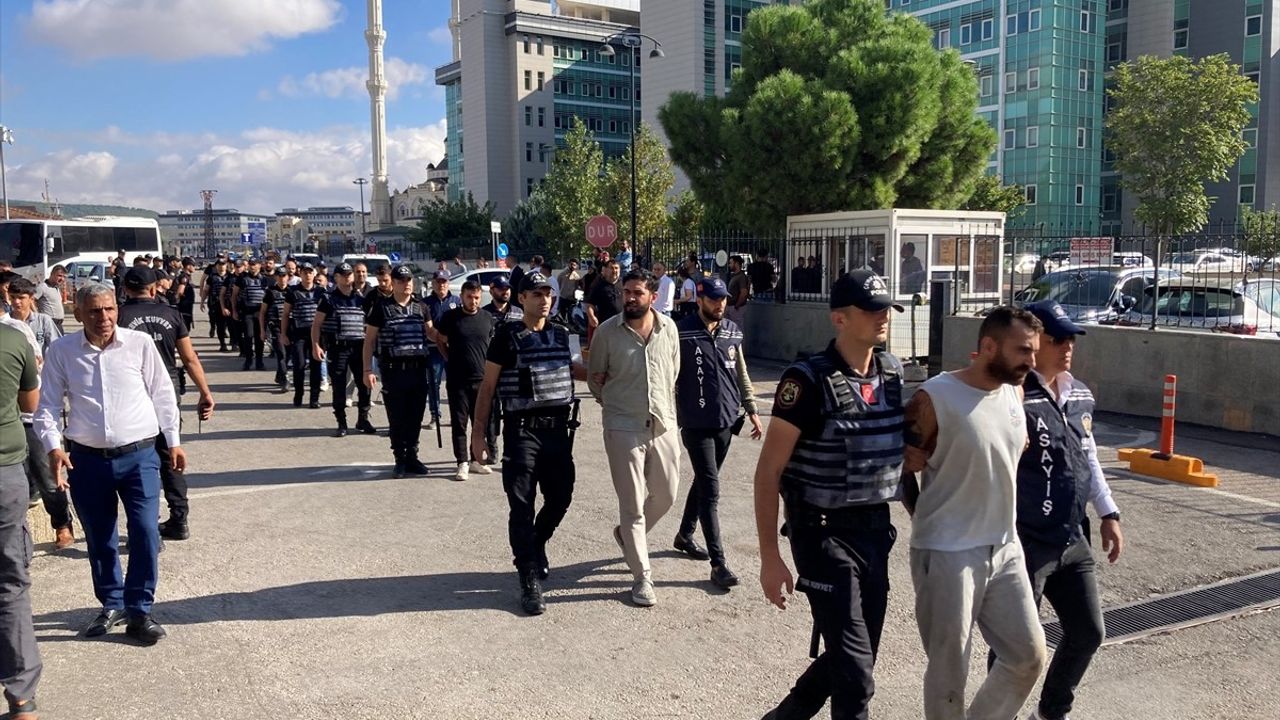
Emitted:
<point x="542" y="117"/>
<point x="626" y="59"/>
<point x="539" y="44"/>
<point x="1010" y="82"/>
<point x="542" y="79"/>
<point x="1246" y="194"/>
<point x="528" y="152"/>
<point x="1255" y="76"/>
<point x="1086" y="18"/>
<point x="988" y="29"/>
<point x="599" y="90"/>
<point x="626" y="92"/>
<point x="1115" y="52"/>
<point x="1010" y="139"/>
<point x="613" y="92"/>
<point x="626" y="127"/>
<point x="528" y="115"/>
<point x="735" y="23"/>
<point x="1253" y="25"/>
<point x="528" y="187"/>
<point x="966" y="34"/>
<point x="558" y="121"/>
<point x="1117" y="5"/>
<point x="613" y="58"/>
<point x="557" y="86"/>
<point x="613" y="126"/>
<point x="1033" y="136"/>
<point x="1250" y="137"/>
<point x="1011" y="25"/>
<point x="1082" y="137"/>
<point x="528" y="80"/>
<point x="1029" y="192"/>
<point x="525" y="41"/>
<point x="1083" y="82"/>
<point x="1179" y="39"/>
<point x="1035" y="19"/>
<point x="944" y="38"/>
<point x="1109" y="203"/>
<point x="1033" y="78"/>
<point x="542" y="152"/>
<point x="986" y="85"/>
<point x="571" y="87"/>
<point x="1079" y="194"/>
<point x="586" y="89"/>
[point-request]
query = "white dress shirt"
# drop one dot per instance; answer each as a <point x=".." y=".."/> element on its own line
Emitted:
<point x="666" y="295"/>
<point x="119" y="395"/>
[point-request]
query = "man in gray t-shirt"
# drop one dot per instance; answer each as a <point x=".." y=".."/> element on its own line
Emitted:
<point x="49" y="296"/>
<point x="22" y="298"/>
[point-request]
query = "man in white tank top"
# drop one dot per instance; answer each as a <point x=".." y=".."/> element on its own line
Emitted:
<point x="966" y="431"/>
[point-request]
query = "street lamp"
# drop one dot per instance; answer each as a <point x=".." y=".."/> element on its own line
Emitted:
<point x="632" y="41"/>
<point x="6" y="136"/>
<point x="363" y="231"/>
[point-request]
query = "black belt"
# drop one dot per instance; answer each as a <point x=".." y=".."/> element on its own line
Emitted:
<point x="536" y="422"/>
<point x="110" y="453"/>
<point x="859" y="517"/>
<point x="403" y="364"/>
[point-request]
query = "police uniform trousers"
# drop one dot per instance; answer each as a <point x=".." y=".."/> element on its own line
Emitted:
<point x="346" y="360"/>
<point x="172" y="482"/>
<point x="217" y="323"/>
<point x="404" y="393"/>
<point x="37" y="465"/>
<point x="843" y="569"/>
<point x="305" y="368"/>
<point x="537" y="451"/>
<point x="277" y="351"/>
<point x="462" y="412"/>
<point x="187" y="318"/>
<point x="707" y="450"/>
<point x="20" y="664"/>
<point x="101" y="480"/>
<point x="251" y="348"/>
<point x="235" y="332"/>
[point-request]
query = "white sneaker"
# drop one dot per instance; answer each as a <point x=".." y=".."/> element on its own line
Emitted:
<point x="642" y="593"/>
<point x="350" y="402"/>
<point x="462" y="472"/>
<point x="324" y="386"/>
<point x="431" y="425"/>
<point x="480" y="468"/>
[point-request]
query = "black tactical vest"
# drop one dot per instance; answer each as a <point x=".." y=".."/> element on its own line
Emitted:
<point x="347" y="316"/>
<point x="252" y="292"/>
<point x="303" y="311"/>
<point x="542" y="376"/>
<point x="402" y="335"/>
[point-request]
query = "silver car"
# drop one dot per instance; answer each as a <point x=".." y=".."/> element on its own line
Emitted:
<point x="1093" y="294"/>
<point x="1199" y="303"/>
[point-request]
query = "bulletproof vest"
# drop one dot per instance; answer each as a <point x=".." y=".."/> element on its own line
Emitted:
<point x="252" y="293"/>
<point x="216" y="283"/>
<point x="303" y="311"/>
<point x="347" y="316"/>
<point x="856" y="459"/>
<point x="542" y="376"/>
<point x="402" y="335"/>
<point x="1054" y="474"/>
<point x="707" y="392"/>
<point x="275" y="299"/>
<point x="329" y="328"/>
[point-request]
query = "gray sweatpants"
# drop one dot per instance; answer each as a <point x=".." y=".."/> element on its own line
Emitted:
<point x="20" y="664"/>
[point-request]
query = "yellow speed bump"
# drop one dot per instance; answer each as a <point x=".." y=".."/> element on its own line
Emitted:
<point x="1178" y="468"/>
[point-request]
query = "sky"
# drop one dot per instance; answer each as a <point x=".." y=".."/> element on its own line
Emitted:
<point x="147" y="102"/>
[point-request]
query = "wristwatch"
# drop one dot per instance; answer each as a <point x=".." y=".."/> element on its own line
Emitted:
<point x="1112" y="516"/>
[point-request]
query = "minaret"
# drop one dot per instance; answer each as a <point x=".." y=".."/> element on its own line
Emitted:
<point x="380" y="203"/>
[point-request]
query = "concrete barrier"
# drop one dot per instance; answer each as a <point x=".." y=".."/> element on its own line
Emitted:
<point x="1224" y="381"/>
<point x="780" y="332"/>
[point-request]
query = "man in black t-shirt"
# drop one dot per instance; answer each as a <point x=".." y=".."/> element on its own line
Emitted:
<point x="462" y="336"/>
<point x="605" y="298"/>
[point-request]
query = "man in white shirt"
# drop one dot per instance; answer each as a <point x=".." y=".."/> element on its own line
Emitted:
<point x="666" y="290"/>
<point x="120" y="398"/>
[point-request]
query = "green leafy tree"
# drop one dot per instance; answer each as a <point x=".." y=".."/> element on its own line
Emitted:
<point x="449" y="226"/>
<point x="1261" y="231"/>
<point x="687" y="216"/>
<point x="520" y="228"/>
<point x="571" y="193"/>
<point x="1176" y="125"/>
<point x="989" y="193"/>
<point x="837" y="106"/>
<point x="654" y="180"/>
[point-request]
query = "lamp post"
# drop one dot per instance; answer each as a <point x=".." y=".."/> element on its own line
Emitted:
<point x="363" y="231"/>
<point x="6" y="136"/>
<point x="632" y="41"/>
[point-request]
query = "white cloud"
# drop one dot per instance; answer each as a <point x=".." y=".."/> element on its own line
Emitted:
<point x="174" y="29"/>
<point x="259" y="170"/>
<point x="349" y="82"/>
<point x="440" y="35"/>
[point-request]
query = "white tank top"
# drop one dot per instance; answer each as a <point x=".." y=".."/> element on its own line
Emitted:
<point x="968" y="495"/>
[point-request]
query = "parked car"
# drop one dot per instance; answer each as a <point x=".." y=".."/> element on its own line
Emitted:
<point x="372" y="262"/>
<point x="80" y="274"/>
<point x="1249" y="262"/>
<point x="1204" y="262"/>
<point x="1093" y="294"/>
<point x="1025" y="263"/>
<point x="1218" y="305"/>
<point x="300" y="258"/>
<point x="1131" y="259"/>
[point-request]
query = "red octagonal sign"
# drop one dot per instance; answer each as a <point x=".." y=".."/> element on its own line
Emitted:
<point x="602" y="231"/>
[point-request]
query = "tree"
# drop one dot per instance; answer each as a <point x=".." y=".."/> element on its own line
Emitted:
<point x="1261" y="232"/>
<point x="520" y="228"/>
<point x="447" y="226"/>
<point x="837" y="106"/>
<point x="1176" y="125"/>
<point x="572" y="193"/>
<point x="654" y="179"/>
<point x="991" y="194"/>
<point x="687" y="216"/>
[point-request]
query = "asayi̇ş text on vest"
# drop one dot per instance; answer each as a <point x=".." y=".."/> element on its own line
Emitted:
<point x="707" y="392"/>
<point x="1054" y="475"/>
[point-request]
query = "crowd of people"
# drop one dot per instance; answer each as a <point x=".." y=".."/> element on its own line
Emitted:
<point x="996" y="463"/>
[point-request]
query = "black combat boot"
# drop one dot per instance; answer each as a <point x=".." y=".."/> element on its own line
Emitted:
<point x="363" y="424"/>
<point x="297" y="396"/>
<point x="398" y="472"/>
<point x="315" y="399"/>
<point x="175" y="528"/>
<point x="341" y="415"/>
<point x="412" y="464"/>
<point x="531" y="593"/>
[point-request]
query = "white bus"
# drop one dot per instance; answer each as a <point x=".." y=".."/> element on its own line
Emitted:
<point x="35" y="246"/>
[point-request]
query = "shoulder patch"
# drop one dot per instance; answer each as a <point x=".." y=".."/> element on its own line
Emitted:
<point x="788" y="393"/>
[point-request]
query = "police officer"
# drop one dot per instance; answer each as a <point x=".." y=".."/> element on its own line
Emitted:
<point x="397" y="328"/>
<point x="269" y="317"/>
<point x="440" y="301"/>
<point x="235" y="328"/>
<point x="163" y="323"/>
<point x="215" y="279"/>
<point x="530" y="367"/>
<point x="338" y="332"/>
<point x="300" y="307"/>
<point x="246" y="302"/>
<point x="713" y="390"/>
<point x="1058" y="473"/>
<point x="186" y="293"/>
<point x="834" y="452"/>
<point x="500" y="305"/>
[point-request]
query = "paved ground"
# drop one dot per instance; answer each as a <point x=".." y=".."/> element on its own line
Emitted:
<point x="315" y="586"/>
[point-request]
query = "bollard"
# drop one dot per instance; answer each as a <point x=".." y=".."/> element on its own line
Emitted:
<point x="1164" y="464"/>
<point x="1166" y="417"/>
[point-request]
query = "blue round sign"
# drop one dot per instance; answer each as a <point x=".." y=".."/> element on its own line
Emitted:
<point x="394" y="257"/>
<point x="503" y="250"/>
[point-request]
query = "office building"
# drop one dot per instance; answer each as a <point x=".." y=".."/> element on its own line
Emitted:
<point x="183" y="230"/>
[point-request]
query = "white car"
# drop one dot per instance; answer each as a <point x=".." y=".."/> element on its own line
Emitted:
<point x="373" y="262"/>
<point x="484" y="276"/>
<point x="1204" y="262"/>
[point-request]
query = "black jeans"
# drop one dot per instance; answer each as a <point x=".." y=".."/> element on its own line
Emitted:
<point x="235" y="331"/>
<point x="346" y="358"/>
<point x="277" y="351"/>
<point x="404" y="392"/>
<point x="173" y="482"/>
<point x="844" y="570"/>
<point x="217" y="323"/>
<point x="305" y="368"/>
<point x="252" y="336"/>
<point x="533" y="457"/>
<point x="55" y="500"/>
<point x="462" y="412"/>
<point x="707" y="450"/>
<point x="1067" y="578"/>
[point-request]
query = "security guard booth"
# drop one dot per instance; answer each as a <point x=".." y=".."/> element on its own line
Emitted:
<point x="910" y="249"/>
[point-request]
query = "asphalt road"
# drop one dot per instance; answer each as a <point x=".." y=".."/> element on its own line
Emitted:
<point x="316" y="586"/>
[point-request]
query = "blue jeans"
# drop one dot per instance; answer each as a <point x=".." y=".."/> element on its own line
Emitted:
<point x="96" y="483"/>
<point x="435" y="375"/>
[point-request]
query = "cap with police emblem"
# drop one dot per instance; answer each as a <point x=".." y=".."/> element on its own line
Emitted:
<point x="533" y="281"/>
<point x="306" y="266"/>
<point x="502" y="282"/>
<point x="281" y="270"/>
<point x="864" y="290"/>
<point x="344" y="269"/>
<point x="442" y="275"/>
<point x="402" y="272"/>
<point x="1057" y="323"/>
<point x="139" y="277"/>
<point x="713" y="288"/>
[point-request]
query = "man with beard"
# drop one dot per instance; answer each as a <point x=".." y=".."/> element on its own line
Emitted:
<point x="462" y="336"/>
<point x="604" y="299"/>
<point x="966" y="431"/>
<point x="501" y="307"/>
<point x="633" y="366"/>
